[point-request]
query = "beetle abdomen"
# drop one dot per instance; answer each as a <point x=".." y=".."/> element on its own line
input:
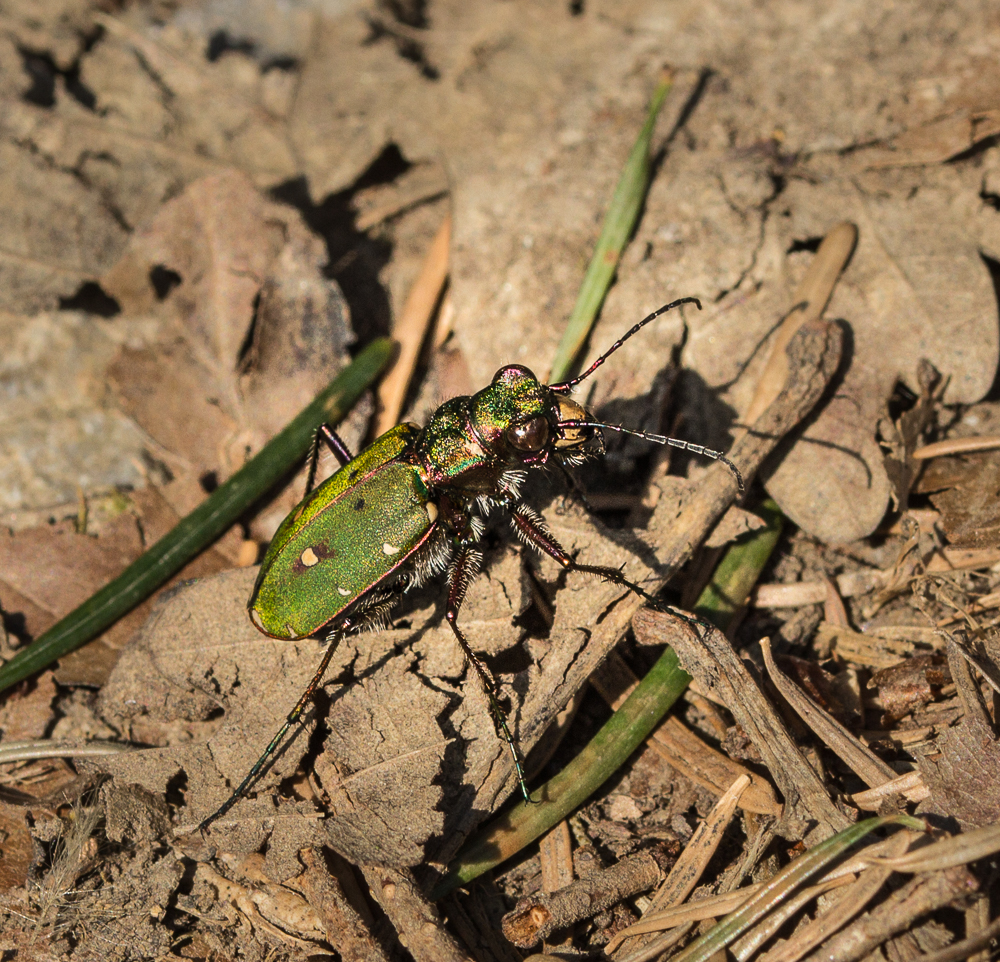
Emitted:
<point x="337" y="549"/>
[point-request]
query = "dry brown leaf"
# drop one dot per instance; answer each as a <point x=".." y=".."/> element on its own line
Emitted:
<point x="27" y="712"/>
<point x="970" y="515"/>
<point x="47" y="572"/>
<point x="909" y="685"/>
<point x="964" y="775"/>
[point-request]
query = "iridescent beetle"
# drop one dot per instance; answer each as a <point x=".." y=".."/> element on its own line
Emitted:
<point x="412" y="505"/>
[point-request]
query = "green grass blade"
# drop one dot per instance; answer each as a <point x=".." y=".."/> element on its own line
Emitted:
<point x="619" y="224"/>
<point x="627" y="728"/>
<point x="204" y="525"/>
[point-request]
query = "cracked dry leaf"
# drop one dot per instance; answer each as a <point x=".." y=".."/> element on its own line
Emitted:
<point x="395" y="708"/>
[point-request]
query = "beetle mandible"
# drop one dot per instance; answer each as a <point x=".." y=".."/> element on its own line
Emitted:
<point x="412" y="505"/>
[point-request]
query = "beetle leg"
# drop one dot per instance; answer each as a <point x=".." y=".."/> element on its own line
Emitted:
<point x="463" y="569"/>
<point x="293" y="717"/>
<point x="532" y="530"/>
<point x="337" y="447"/>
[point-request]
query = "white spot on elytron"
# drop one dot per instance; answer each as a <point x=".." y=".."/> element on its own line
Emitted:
<point x="390" y="549"/>
<point x="344" y="592"/>
<point x="432" y="511"/>
<point x="256" y="619"/>
<point x="309" y="558"/>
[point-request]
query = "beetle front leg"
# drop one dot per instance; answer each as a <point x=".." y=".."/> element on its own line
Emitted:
<point x="337" y="447"/>
<point x="463" y="569"/>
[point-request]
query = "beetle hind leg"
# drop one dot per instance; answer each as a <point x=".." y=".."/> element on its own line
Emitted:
<point x="293" y="716"/>
<point x="463" y="569"/>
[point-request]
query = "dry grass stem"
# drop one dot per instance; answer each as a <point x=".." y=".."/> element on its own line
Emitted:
<point x="911" y="786"/>
<point x="843" y="910"/>
<point x="410" y="328"/>
<point x="896" y="914"/>
<point x="956" y="446"/>
<point x="808" y="305"/>
<point x="860" y="759"/>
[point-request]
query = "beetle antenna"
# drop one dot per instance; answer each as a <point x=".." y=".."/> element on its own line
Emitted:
<point x="663" y="439"/>
<point x="564" y="387"/>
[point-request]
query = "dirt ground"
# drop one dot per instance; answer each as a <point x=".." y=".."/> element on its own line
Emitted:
<point x="211" y="207"/>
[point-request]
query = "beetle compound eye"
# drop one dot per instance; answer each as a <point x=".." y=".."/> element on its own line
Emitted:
<point x="531" y="436"/>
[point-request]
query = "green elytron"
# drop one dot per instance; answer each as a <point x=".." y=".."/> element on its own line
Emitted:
<point x="412" y="505"/>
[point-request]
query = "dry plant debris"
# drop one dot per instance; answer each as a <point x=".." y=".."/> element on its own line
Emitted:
<point x="208" y="204"/>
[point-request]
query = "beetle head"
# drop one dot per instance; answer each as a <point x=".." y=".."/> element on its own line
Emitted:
<point x="523" y="421"/>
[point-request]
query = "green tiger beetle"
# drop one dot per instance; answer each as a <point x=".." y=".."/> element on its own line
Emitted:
<point x="412" y="505"/>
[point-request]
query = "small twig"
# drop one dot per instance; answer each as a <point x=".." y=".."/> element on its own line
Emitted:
<point x="415" y="919"/>
<point x="957" y="446"/>
<point x="911" y="786"/>
<point x="556" y="852"/>
<point x="719" y="669"/>
<point x="346" y="930"/>
<point x="694" y="859"/>
<point x="537" y="916"/>
<point x="809" y="301"/>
